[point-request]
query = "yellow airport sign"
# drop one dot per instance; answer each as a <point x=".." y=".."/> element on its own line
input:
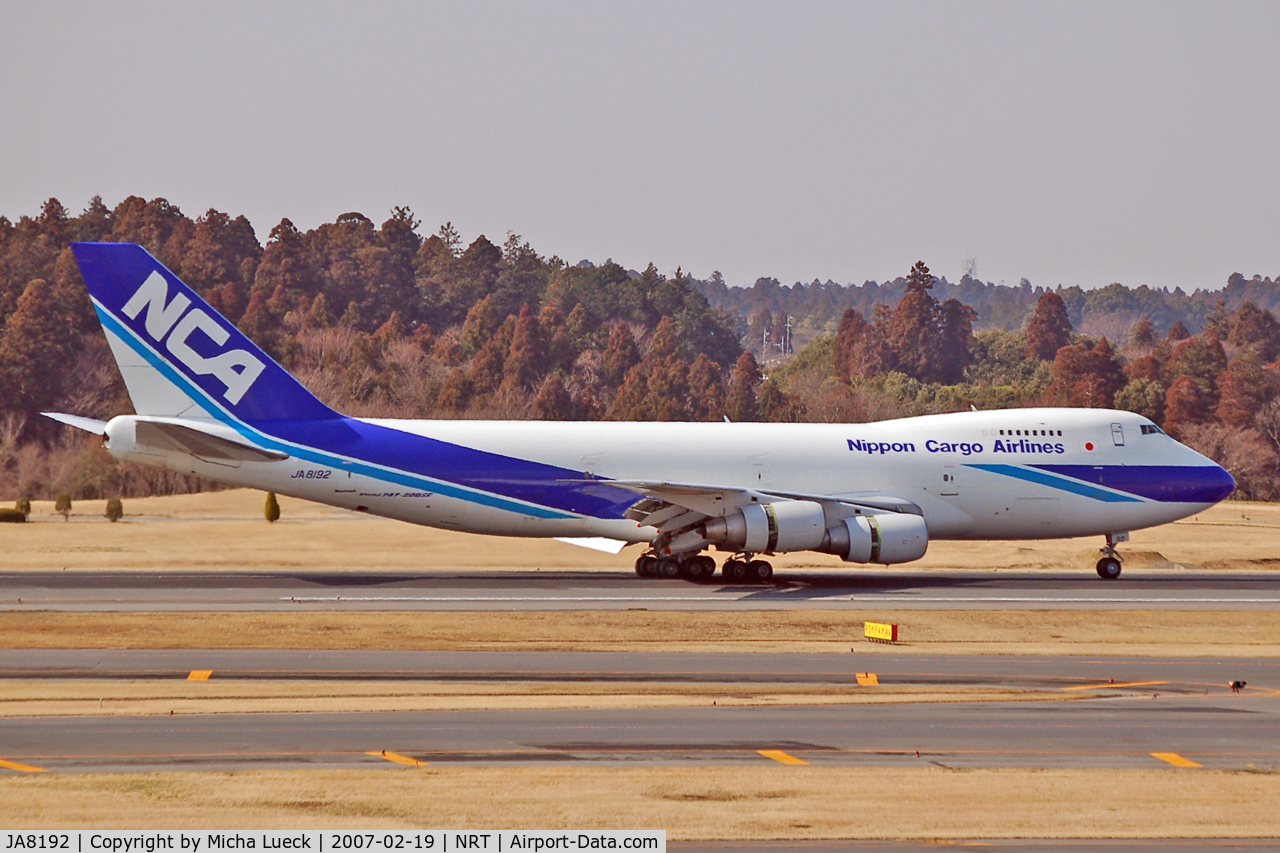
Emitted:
<point x="881" y="632"/>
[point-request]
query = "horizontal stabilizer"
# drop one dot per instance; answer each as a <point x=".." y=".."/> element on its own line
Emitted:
<point x="200" y="444"/>
<point x="87" y="424"/>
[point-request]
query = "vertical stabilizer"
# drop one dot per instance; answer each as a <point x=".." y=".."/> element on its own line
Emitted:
<point x="178" y="356"/>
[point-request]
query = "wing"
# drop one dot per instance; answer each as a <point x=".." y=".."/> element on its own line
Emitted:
<point x="672" y="507"/>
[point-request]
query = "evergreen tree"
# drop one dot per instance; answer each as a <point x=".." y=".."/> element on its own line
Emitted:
<point x="482" y="321"/>
<point x="261" y="324"/>
<point x="271" y="509"/>
<point x="527" y="359"/>
<point x="1144" y="397"/>
<point x="35" y="348"/>
<point x="93" y="225"/>
<point x="1244" y="389"/>
<point x="1185" y="405"/>
<point x="1257" y="329"/>
<point x="621" y="354"/>
<point x="1143" y="333"/>
<point x="1049" y="329"/>
<point x="706" y="389"/>
<point x="1202" y="358"/>
<point x="287" y="270"/>
<point x="552" y="402"/>
<point x="740" y="401"/>
<point x="1177" y="332"/>
<point x="844" y="350"/>
<point x="1087" y="376"/>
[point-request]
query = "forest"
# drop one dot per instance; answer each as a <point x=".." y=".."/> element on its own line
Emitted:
<point x="379" y="320"/>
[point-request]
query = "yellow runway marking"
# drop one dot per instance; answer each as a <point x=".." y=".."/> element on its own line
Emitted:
<point x="1120" y="684"/>
<point x="781" y="757"/>
<point x="397" y="758"/>
<point x="200" y="675"/>
<point x="21" y="768"/>
<point x="867" y="679"/>
<point x="1174" y="759"/>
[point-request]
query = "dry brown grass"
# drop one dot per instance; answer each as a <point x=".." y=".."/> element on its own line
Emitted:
<point x="739" y="802"/>
<point x="27" y="698"/>
<point x="226" y="530"/>
<point x="1232" y="633"/>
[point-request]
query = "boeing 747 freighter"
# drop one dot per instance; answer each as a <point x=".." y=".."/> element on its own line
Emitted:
<point x="210" y="402"/>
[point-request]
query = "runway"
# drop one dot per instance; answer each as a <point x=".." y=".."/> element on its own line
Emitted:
<point x="1172" y="589"/>
<point x="1113" y="712"/>
<point x="1221" y="732"/>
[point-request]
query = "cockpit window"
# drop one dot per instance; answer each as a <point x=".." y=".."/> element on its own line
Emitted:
<point x="1151" y="429"/>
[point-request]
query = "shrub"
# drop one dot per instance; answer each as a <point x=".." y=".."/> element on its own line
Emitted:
<point x="272" y="509"/>
<point x="62" y="504"/>
<point x="12" y="515"/>
<point x="115" y="509"/>
<point x="23" y="506"/>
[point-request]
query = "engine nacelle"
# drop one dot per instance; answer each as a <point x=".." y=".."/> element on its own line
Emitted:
<point x="774" y="527"/>
<point x="888" y="538"/>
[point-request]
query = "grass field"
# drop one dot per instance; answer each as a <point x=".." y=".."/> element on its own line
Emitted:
<point x="747" y="801"/>
<point x="226" y="530"/>
<point x="150" y="697"/>
<point x="1229" y="633"/>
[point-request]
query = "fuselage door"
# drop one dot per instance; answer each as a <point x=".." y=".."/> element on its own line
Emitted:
<point x="758" y="473"/>
<point x="950" y="485"/>
<point x="1117" y="434"/>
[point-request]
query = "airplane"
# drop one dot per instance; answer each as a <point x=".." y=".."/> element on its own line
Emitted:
<point x="209" y="402"/>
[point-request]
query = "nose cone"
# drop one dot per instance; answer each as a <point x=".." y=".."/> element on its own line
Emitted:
<point x="1210" y="484"/>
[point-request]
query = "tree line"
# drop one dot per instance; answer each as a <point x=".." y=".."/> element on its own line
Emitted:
<point x="379" y="320"/>
<point x="815" y="309"/>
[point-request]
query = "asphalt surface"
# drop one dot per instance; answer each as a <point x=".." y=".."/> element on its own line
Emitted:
<point x="1222" y="731"/>
<point x="1180" y="589"/>
<point x="1124" y="711"/>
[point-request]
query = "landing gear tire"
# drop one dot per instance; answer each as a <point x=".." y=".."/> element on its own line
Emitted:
<point x="646" y="565"/>
<point x="669" y="567"/>
<point x="735" y="571"/>
<point x="1109" y="568"/>
<point x="700" y="569"/>
<point x="759" y="571"/>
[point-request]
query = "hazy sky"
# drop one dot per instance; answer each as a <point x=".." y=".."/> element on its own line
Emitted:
<point x="1075" y="143"/>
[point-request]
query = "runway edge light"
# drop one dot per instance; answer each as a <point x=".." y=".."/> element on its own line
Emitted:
<point x="880" y="632"/>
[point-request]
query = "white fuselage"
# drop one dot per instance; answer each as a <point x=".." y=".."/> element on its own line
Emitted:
<point x="955" y="467"/>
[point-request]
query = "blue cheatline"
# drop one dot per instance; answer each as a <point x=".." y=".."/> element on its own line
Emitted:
<point x="1165" y="483"/>
<point x="1062" y="484"/>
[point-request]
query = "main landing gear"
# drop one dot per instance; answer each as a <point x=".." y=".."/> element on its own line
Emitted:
<point x="1109" y="565"/>
<point x="701" y="568"/>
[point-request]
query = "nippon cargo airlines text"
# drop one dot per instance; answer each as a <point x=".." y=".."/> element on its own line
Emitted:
<point x="436" y="841"/>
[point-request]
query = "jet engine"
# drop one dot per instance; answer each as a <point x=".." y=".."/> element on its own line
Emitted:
<point x="773" y="527"/>
<point x="884" y="538"/>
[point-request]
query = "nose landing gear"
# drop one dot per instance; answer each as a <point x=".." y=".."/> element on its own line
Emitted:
<point x="1109" y="565"/>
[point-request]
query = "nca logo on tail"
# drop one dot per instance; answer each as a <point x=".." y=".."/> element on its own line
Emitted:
<point x="237" y="369"/>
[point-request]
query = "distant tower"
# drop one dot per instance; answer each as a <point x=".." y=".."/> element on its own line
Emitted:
<point x="969" y="267"/>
